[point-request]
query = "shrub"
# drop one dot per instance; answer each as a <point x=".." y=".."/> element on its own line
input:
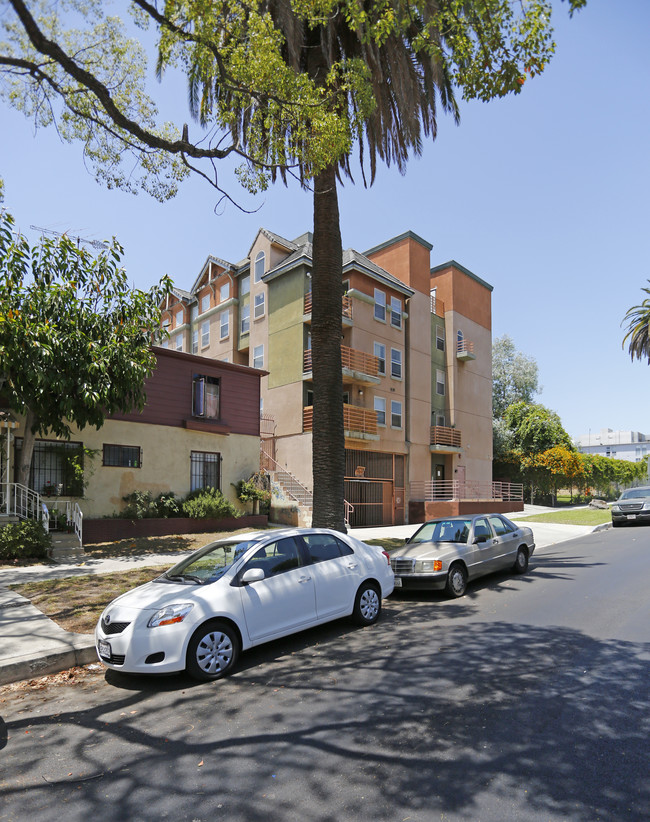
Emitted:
<point x="143" y="505"/>
<point x="208" y="503"/>
<point x="24" y="540"/>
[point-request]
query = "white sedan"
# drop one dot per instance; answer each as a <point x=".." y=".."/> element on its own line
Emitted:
<point x="239" y="592"/>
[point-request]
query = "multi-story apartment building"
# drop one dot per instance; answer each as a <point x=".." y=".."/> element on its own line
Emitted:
<point x="632" y="446"/>
<point x="417" y="367"/>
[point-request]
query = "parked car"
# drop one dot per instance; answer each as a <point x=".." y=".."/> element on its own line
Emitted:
<point x="632" y="506"/>
<point x="239" y="592"/>
<point x="445" y="553"/>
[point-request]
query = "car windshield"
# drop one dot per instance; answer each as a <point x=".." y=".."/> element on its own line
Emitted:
<point x="208" y="563"/>
<point x="636" y="493"/>
<point x="443" y="530"/>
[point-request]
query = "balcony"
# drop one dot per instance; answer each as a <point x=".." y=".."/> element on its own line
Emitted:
<point x="359" y="423"/>
<point x="465" y="350"/>
<point x="346" y="308"/>
<point x="437" y="306"/>
<point x="445" y="440"/>
<point x="358" y="366"/>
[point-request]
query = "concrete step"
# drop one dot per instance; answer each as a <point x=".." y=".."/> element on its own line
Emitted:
<point x="65" y="547"/>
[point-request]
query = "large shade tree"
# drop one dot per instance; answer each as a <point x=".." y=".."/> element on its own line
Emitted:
<point x="289" y="87"/>
<point x="75" y="339"/>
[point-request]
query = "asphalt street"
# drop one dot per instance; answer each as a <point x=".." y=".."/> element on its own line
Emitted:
<point x="525" y="700"/>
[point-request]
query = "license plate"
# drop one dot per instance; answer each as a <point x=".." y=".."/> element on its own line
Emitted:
<point x="398" y="582"/>
<point x="104" y="649"/>
<point x="631" y="516"/>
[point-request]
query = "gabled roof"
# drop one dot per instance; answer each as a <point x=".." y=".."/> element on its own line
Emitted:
<point x="211" y="259"/>
<point x="276" y="239"/>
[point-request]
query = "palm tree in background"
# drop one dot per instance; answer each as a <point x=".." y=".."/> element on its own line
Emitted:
<point x="638" y="329"/>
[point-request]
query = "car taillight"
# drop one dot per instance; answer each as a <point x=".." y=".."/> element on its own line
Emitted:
<point x="387" y="555"/>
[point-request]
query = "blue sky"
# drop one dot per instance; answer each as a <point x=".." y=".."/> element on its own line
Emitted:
<point x="544" y="195"/>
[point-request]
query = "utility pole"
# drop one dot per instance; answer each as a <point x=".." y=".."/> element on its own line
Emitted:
<point x="96" y="244"/>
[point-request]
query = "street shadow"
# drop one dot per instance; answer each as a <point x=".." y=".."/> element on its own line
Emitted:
<point x="414" y="717"/>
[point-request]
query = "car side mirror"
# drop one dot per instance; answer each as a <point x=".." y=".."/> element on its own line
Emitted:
<point x="252" y="575"/>
<point x="480" y="538"/>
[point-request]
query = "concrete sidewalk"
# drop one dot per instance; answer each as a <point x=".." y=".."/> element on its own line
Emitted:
<point x="32" y="645"/>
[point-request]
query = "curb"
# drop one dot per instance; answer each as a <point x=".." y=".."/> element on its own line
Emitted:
<point x="17" y="668"/>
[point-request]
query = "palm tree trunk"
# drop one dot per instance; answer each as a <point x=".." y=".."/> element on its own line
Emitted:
<point x="328" y="453"/>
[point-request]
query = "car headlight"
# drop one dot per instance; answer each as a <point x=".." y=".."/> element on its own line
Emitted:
<point x="170" y="614"/>
<point x="427" y="566"/>
<point x="616" y="507"/>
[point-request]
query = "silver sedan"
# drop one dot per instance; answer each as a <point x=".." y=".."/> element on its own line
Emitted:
<point x="445" y="553"/>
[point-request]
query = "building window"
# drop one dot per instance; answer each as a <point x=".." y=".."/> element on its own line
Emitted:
<point x="205" y="334"/>
<point x="124" y="456"/>
<point x="195" y="341"/>
<point x="179" y="318"/>
<point x="245" y="285"/>
<point x="205" y="303"/>
<point x="258" y="356"/>
<point x="205" y="397"/>
<point x="260" y="262"/>
<point x="395" y="414"/>
<point x="194" y="312"/>
<point x="460" y="341"/>
<point x="54" y="467"/>
<point x="440" y="338"/>
<point x="178" y="342"/>
<point x="380" y="353"/>
<point x="380" y="305"/>
<point x="259" y="306"/>
<point x="205" y="470"/>
<point x="396" y="312"/>
<point x="380" y="410"/>
<point x="245" y="318"/>
<point x="224" y="324"/>
<point x="396" y="363"/>
<point x="440" y="420"/>
<point x="164" y="344"/>
<point x="440" y="382"/>
<point x="224" y="292"/>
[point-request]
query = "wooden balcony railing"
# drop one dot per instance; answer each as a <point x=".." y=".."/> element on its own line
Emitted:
<point x="465" y="350"/>
<point x="358" y="420"/>
<point x="346" y="305"/>
<point x="442" y="435"/>
<point x="437" y="307"/>
<point x="351" y="359"/>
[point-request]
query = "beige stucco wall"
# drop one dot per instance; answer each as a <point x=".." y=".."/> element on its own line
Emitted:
<point x="165" y="462"/>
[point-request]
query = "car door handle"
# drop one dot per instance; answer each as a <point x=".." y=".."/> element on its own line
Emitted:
<point x="304" y="579"/>
<point x="353" y="565"/>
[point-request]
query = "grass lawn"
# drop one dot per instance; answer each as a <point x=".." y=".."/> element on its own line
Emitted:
<point x="576" y="516"/>
<point x="76" y="603"/>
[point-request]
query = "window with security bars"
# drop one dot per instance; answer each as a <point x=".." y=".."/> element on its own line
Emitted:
<point x="205" y="397"/>
<point x="123" y="456"/>
<point x="55" y="467"/>
<point x="205" y="470"/>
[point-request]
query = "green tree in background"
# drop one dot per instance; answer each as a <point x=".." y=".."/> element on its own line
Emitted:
<point x="75" y="340"/>
<point x="514" y="376"/>
<point x="290" y="88"/>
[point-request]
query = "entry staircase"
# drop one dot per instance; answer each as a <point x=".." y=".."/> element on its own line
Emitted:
<point x="289" y="487"/>
<point x="63" y="520"/>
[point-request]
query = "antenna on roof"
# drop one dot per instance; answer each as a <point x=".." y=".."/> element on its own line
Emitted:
<point x="97" y="244"/>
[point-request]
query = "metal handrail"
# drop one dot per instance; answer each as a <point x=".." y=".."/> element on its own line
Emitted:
<point x="284" y="470"/>
<point x="466" y="490"/>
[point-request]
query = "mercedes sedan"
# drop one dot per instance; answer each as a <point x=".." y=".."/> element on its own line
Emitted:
<point x="239" y="592"/>
<point x="446" y="553"/>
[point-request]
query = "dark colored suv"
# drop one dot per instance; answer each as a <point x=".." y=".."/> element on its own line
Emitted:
<point x="632" y="506"/>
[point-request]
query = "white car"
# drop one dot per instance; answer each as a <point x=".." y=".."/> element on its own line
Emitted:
<point x="239" y="592"/>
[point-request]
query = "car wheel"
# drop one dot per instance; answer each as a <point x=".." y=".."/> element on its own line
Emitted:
<point x="521" y="561"/>
<point x="456" y="580"/>
<point x="213" y="651"/>
<point x="367" y="605"/>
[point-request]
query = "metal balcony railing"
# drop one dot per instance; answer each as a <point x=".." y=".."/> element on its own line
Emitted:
<point x="466" y="490"/>
<point x="442" y="435"/>
<point x="351" y="359"/>
<point x="346" y="305"/>
<point x="465" y="350"/>
<point x="355" y="419"/>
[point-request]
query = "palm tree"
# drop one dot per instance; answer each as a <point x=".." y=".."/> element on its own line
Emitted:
<point x="406" y="85"/>
<point x="638" y="329"/>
